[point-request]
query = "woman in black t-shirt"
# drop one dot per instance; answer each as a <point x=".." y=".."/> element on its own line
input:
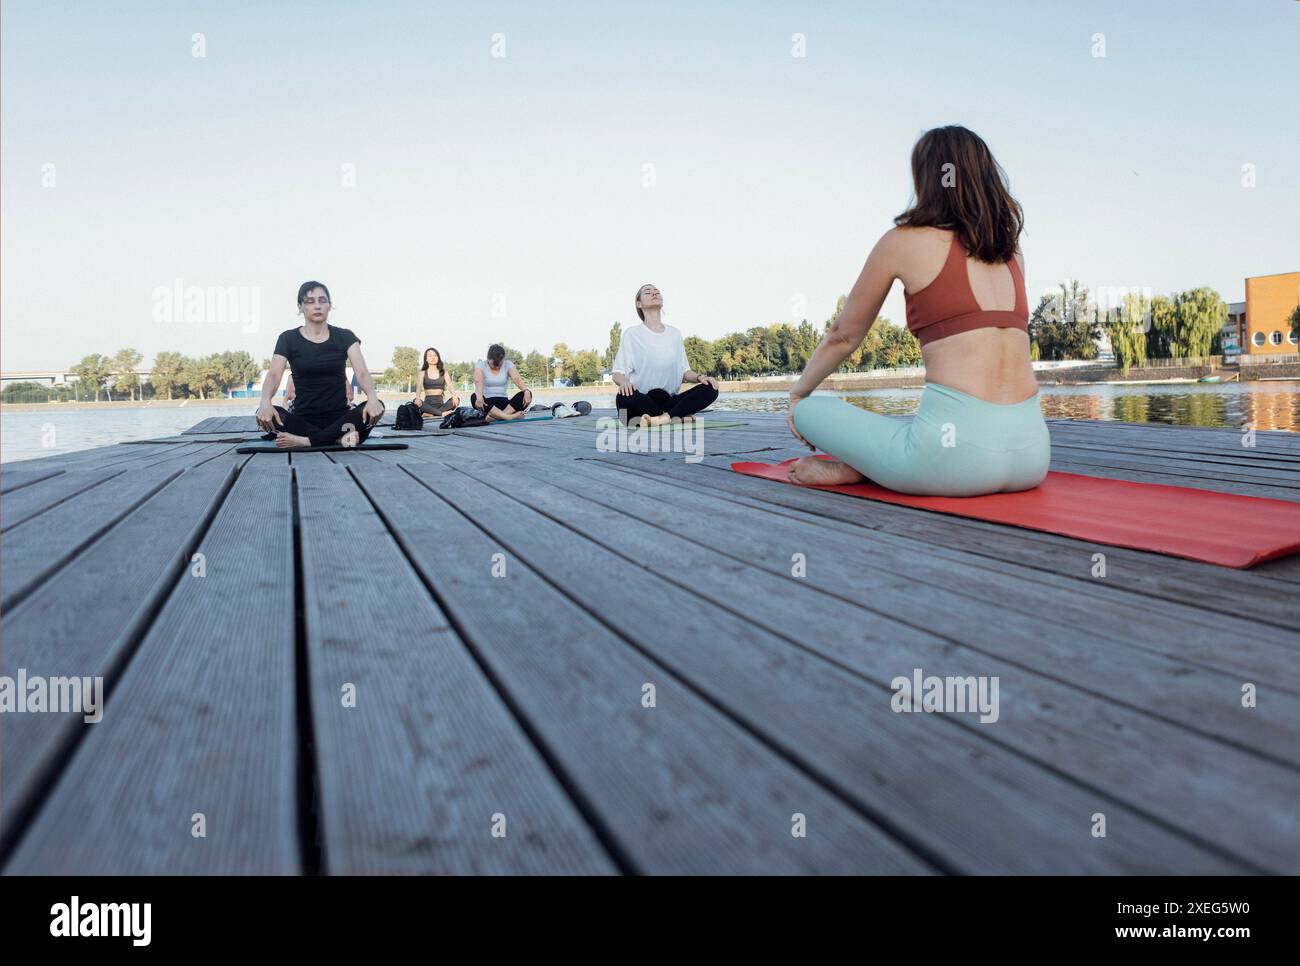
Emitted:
<point x="318" y="355"/>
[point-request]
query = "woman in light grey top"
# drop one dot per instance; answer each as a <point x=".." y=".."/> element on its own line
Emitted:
<point x="492" y="378"/>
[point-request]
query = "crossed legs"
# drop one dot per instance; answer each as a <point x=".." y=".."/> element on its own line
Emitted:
<point x="658" y="406"/>
<point x="499" y="407"/>
<point x="348" y="429"/>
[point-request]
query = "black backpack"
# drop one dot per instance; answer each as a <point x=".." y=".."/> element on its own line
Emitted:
<point x="408" y="417"/>
<point x="462" y="416"/>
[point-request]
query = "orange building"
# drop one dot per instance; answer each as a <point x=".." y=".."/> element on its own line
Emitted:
<point x="1266" y="327"/>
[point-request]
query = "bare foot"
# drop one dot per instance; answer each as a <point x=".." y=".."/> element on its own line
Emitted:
<point x="648" y="421"/>
<point x="350" y="437"/>
<point x="811" y="471"/>
<point x="290" y="441"/>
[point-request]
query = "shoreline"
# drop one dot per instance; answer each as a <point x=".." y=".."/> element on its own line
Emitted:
<point x="389" y="398"/>
<point x="835" y="383"/>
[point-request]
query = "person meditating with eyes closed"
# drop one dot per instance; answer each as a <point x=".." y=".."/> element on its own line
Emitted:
<point x="434" y="392"/>
<point x="650" y="367"/>
<point x="318" y="354"/>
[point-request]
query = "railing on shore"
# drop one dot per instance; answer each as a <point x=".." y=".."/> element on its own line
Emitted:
<point x="1251" y="358"/>
<point x="1186" y="362"/>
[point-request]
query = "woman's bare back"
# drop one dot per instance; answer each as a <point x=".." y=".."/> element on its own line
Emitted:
<point x="990" y="364"/>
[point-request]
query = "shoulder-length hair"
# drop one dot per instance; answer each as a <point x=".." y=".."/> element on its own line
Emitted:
<point x="958" y="185"/>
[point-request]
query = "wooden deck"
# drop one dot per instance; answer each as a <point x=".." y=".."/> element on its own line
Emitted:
<point x="501" y="598"/>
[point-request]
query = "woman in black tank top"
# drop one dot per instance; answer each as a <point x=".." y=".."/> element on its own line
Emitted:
<point x="433" y="390"/>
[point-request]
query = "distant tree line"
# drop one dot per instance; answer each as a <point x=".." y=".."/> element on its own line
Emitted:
<point x="780" y="349"/>
<point x="174" y="376"/>
<point x="1067" y="325"/>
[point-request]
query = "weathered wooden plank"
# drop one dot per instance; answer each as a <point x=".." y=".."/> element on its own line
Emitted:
<point x="1199" y="438"/>
<point x="1206" y="586"/>
<point x="585" y="441"/>
<point x="679" y="787"/>
<point x="412" y="775"/>
<point x="23" y="504"/>
<point x="231" y="457"/>
<point x="1222" y="455"/>
<point x="1269" y="481"/>
<point x="38" y="547"/>
<point x="1086" y="635"/>
<point x="182" y="456"/>
<point x="345" y="458"/>
<point x="201" y="722"/>
<point x="13" y="479"/>
<point x="116" y="456"/>
<point x="86" y="619"/>
<point x="771" y="681"/>
<point x="1146" y="725"/>
<point x="399" y="456"/>
<point x="205" y="425"/>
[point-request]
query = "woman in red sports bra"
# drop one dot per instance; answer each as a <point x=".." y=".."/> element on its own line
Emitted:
<point x="979" y="427"/>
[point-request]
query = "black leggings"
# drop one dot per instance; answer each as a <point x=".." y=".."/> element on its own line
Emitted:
<point x="324" y="430"/>
<point x="517" y="401"/>
<point x="656" y="402"/>
<point x="435" y="407"/>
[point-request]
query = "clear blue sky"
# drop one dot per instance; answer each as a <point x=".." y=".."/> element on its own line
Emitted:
<point x="522" y="176"/>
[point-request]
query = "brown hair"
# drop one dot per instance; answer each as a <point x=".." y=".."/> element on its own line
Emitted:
<point x="958" y="185"/>
<point x="495" y="354"/>
<point x="637" y="298"/>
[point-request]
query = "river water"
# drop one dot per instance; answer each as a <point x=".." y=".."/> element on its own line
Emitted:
<point x="1264" y="405"/>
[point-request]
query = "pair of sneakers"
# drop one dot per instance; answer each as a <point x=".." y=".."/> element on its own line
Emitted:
<point x="565" y="411"/>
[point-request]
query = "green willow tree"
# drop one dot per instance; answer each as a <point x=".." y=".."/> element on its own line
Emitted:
<point x="1200" y="314"/>
<point x="1126" y="329"/>
<point x="1163" y="326"/>
<point x="1185" y="324"/>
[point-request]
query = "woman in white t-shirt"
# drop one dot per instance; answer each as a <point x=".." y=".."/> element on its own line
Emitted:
<point x="651" y="366"/>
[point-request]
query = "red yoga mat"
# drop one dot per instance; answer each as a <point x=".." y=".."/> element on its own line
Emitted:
<point x="1218" y="528"/>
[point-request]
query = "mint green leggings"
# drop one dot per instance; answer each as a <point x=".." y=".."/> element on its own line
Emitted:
<point x="955" y="445"/>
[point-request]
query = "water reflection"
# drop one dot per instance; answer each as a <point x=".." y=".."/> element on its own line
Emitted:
<point x="1262" y="405"/>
